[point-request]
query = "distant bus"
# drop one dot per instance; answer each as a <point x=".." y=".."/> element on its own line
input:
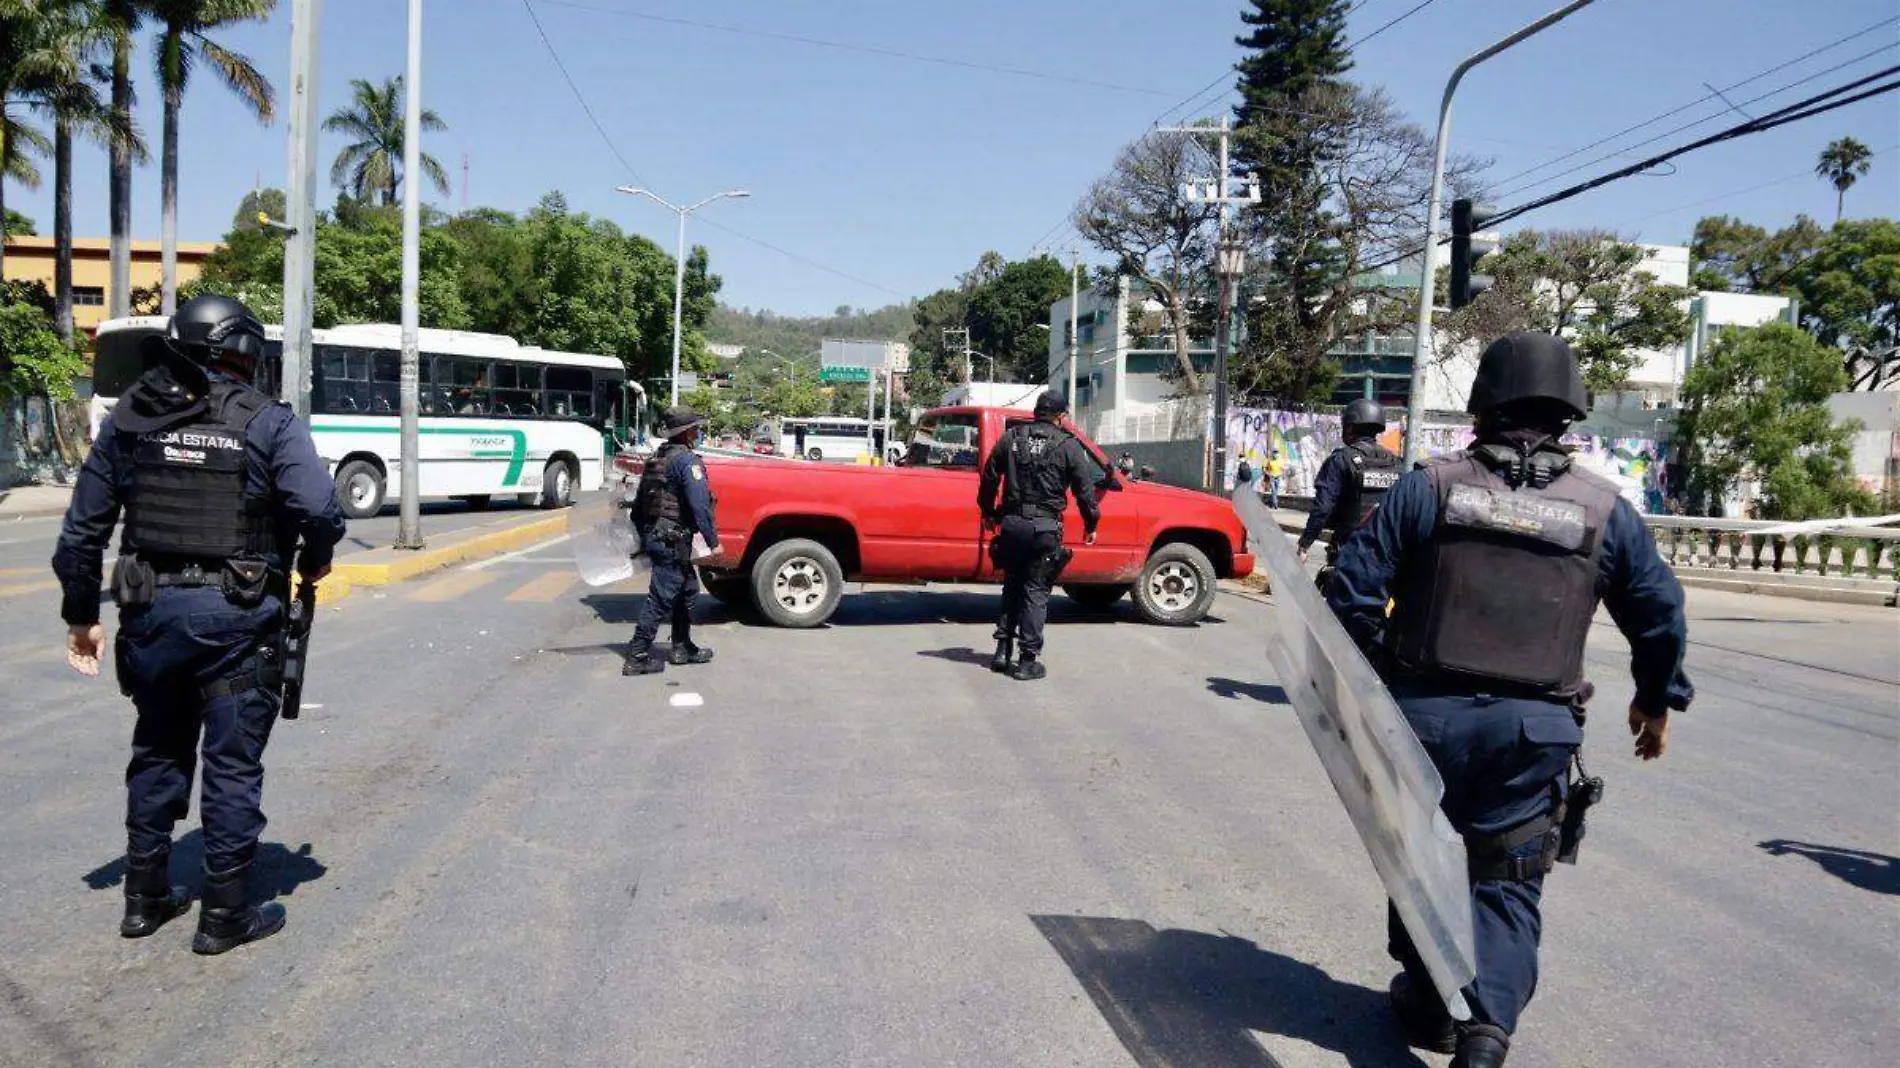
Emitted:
<point x="497" y="418"/>
<point x="829" y="438"/>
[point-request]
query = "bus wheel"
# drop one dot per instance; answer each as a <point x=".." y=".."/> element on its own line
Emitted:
<point x="359" y="489"/>
<point x="557" y="485"/>
<point x="815" y="454"/>
<point x="477" y="502"/>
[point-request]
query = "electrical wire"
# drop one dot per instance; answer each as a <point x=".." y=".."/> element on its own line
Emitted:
<point x="806" y="260"/>
<point x="1353" y="47"/>
<point x="576" y="90"/>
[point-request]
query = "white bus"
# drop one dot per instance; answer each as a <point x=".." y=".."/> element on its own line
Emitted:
<point x="829" y="438"/>
<point x="498" y="418"/>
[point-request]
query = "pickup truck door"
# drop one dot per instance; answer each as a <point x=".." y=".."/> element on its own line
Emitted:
<point x="943" y="527"/>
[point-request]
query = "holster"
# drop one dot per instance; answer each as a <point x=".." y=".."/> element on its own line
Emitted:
<point x="1489" y="857"/>
<point x="245" y="582"/>
<point x="134" y="583"/>
<point x="1054" y="561"/>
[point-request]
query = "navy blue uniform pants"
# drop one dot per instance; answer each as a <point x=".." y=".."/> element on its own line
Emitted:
<point x="1500" y="759"/>
<point x="671" y="590"/>
<point x="1023" y="550"/>
<point x="167" y="653"/>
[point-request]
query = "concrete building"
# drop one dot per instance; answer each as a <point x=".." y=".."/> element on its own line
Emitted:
<point x="1125" y="389"/>
<point x="30" y="259"/>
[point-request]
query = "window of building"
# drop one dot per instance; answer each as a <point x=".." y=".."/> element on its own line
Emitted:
<point x="89" y="296"/>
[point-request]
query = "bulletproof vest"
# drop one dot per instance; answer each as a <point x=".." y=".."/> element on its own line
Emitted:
<point x="1372" y="471"/>
<point x="187" y="494"/>
<point x="1037" y="470"/>
<point x="1508" y="583"/>
<point x="655" y="499"/>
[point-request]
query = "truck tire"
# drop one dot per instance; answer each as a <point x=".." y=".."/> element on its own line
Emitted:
<point x="557" y="485"/>
<point x="797" y="583"/>
<point x="733" y="591"/>
<point x="359" y="489"/>
<point x="1177" y="586"/>
<point x="1096" y="598"/>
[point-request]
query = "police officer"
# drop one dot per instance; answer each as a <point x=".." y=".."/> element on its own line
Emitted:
<point x="1497" y="558"/>
<point x="1036" y="464"/>
<point x="1353" y="480"/>
<point x="218" y="484"/>
<point x="673" y="502"/>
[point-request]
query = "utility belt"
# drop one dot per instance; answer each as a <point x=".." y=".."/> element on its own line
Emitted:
<point x="1490" y="856"/>
<point x="668" y="532"/>
<point x="244" y="582"/>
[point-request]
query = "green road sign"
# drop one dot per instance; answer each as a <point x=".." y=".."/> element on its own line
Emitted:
<point x="844" y="374"/>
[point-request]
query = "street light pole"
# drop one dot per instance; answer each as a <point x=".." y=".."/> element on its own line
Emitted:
<point x="1427" y="281"/>
<point x="300" y="204"/>
<point x="679" y="263"/>
<point x="1075" y="339"/>
<point x="1232" y="262"/>
<point x="409" y="523"/>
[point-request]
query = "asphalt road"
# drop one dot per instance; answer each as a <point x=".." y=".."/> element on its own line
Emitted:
<point x="860" y="848"/>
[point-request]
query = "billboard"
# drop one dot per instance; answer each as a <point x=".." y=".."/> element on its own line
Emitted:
<point x="877" y="355"/>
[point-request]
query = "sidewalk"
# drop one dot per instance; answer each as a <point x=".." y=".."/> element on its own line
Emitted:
<point x="28" y="502"/>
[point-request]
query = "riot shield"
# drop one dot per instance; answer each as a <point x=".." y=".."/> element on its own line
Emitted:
<point x="1379" y="769"/>
<point x="601" y="531"/>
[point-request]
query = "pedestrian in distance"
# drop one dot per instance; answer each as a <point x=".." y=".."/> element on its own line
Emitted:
<point x="674" y="501"/>
<point x="218" y="485"/>
<point x="1276" y="470"/>
<point x="1352" y="481"/>
<point x="1243" y="475"/>
<point x="1037" y="465"/>
<point x="1497" y="558"/>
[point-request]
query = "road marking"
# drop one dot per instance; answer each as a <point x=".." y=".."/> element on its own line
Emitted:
<point x="20" y="589"/>
<point x="545" y="588"/>
<point x="16" y="572"/>
<point x="481" y="565"/>
<point x="456" y="585"/>
<point x="687" y="700"/>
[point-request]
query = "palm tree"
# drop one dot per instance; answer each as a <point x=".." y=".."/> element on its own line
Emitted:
<point x="1843" y="163"/>
<point x="371" y="165"/>
<point x="123" y="19"/>
<point x="183" y="42"/>
<point x="40" y="71"/>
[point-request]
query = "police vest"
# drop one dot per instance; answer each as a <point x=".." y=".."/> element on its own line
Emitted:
<point x="655" y="499"/>
<point x="1372" y="472"/>
<point x="187" y="496"/>
<point x="1508" y="585"/>
<point x="1036" y="470"/>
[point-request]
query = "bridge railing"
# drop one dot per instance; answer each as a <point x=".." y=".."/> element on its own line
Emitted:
<point x="1743" y="545"/>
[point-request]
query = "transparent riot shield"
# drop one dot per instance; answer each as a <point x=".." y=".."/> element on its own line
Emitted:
<point x="1379" y="769"/>
<point x="601" y="532"/>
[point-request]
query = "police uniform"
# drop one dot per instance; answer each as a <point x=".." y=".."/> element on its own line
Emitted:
<point x="218" y="485"/>
<point x="1352" y="481"/>
<point x="674" y="501"/>
<point x="1037" y="465"/>
<point x="1497" y="559"/>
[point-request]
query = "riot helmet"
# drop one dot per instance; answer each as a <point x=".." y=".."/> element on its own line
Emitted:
<point x="217" y="333"/>
<point x="1529" y="366"/>
<point x="1363" y="418"/>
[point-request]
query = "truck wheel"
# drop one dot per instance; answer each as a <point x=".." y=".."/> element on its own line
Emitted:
<point x="1096" y="598"/>
<point x="359" y="489"/>
<point x="557" y="485"/>
<point x="1176" y="588"/>
<point x="797" y="583"/>
<point x="733" y="591"/>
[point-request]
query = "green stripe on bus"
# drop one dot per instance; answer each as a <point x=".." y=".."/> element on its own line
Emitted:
<point x="516" y="456"/>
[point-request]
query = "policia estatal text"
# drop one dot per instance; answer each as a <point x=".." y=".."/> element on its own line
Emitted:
<point x="218" y="484"/>
<point x="1497" y="558"/>
<point x="1037" y="465"/>
<point x="1352" y="481"/>
<point x="672" y="503"/>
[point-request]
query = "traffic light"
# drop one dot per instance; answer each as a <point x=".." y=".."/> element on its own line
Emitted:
<point x="1466" y="218"/>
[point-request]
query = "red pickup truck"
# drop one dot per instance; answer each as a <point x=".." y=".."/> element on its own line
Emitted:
<point x="792" y="532"/>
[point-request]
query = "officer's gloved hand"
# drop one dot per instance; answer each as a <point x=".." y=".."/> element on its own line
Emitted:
<point x="1651" y="733"/>
<point x="316" y="576"/>
<point x="85" y="644"/>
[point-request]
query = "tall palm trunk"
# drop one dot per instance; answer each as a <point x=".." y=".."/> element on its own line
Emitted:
<point x="168" y="180"/>
<point x="120" y="180"/>
<point x="63" y="228"/>
<point x="1840" y="202"/>
<point x="3" y="184"/>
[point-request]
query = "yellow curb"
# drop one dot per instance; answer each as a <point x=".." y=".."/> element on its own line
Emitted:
<point x="332" y="589"/>
<point x="410" y="564"/>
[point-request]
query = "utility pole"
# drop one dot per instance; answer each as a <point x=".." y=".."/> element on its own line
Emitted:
<point x="1075" y="338"/>
<point x="300" y="204"/>
<point x="409" y="525"/>
<point x="1231" y="262"/>
<point x="679" y="263"/>
<point x="1427" y="282"/>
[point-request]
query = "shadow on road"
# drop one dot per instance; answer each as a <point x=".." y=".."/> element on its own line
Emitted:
<point x="878" y="608"/>
<point x="277" y="872"/>
<point x="1259" y="691"/>
<point x="963" y="655"/>
<point x="1869" y="871"/>
<point x="1184" y="999"/>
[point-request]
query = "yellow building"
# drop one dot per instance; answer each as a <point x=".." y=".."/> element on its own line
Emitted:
<point x="31" y="259"/>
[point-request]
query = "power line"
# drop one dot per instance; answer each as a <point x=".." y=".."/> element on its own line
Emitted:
<point x="806" y="260"/>
<point x="845" y="46"/>
<point x="576" y="90"/>
<point x="1355" y="45"/>
<point x="1805" y="172"/>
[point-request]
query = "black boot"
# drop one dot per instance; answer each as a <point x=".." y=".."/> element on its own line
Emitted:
<point x="151" y="900"/>
<point x="1481" y="1046"/>
<point x="225" y="921"/>
<point x="1422" y="1017"/>
<point x="640" y="660"/>
<point x="684" y="652"/>
<point x="1029" y="669"/>
<point x="1005" y="649"/>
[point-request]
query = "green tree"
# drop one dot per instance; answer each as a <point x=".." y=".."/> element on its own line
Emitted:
<point x="371" y="165"/>
<point x="1007" y="315"/>
<point x="1755" y="406"/>
<point x="499" y="284"/>
<point x="184" y="41"/>
<point x="1585" y="286"/>
<point x="39" y="73"/>
<point x="18" y="225"/>
<point x="123" y="19"/>
<point x="1727" y="254"/>
<point x="1843" y="163"/>
<point x="271" y="202"/>
<point x="1849" y="286"/>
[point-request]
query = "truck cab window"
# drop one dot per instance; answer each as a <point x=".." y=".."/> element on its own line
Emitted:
<point x="944" y="441"/>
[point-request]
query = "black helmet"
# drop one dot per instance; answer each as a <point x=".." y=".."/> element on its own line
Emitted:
<point x="1051" y="404"/>
<point x="1528" y="366"/>
<point x="1363" y="412"/>
<point x="204" y="328"/>
<point x="678" y="419"/>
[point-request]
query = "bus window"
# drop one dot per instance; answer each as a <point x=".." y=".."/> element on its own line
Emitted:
<point x="385" y="377"/>
<point x="606" y="400"/>
<point x="518" y="389"/>
<point x="570" y="392"/>
<point x="465" y="382"/>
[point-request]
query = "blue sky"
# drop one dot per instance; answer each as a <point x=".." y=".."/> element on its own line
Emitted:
<point x="900" y="173"/>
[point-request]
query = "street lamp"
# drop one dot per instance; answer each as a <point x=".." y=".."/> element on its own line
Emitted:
<point x="679" y="261"/>
<point x="1230" y="263"/>
<point x="967" y="353"/>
